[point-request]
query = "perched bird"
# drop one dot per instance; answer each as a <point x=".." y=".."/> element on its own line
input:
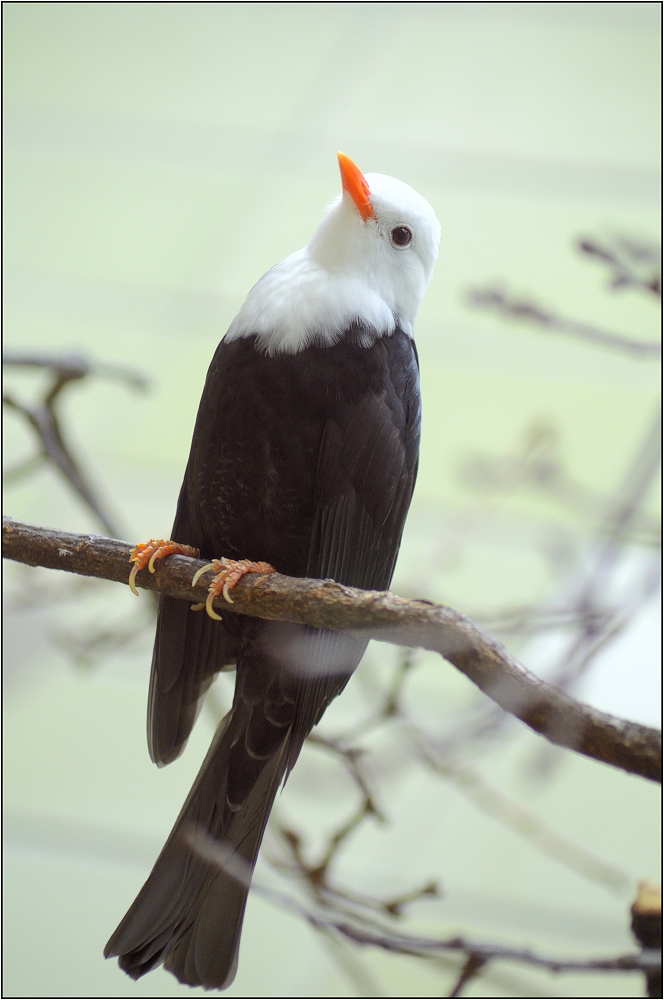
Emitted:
<point x="304" y="455"/>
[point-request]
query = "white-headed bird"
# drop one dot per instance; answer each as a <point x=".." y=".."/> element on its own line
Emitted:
<point x="304" y="457"/>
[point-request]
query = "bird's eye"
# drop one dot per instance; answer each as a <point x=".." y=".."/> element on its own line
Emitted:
<point x="401" y="236"/>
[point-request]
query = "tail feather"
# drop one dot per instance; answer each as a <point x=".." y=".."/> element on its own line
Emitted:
<point x="188" y="914"/>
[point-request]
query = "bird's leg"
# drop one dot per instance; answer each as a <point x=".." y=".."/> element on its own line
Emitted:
<point x="145" y="553"/>
<point x="228" y="572"/>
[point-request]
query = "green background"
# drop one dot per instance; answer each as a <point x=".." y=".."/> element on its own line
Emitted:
<point x="158" y="159"/>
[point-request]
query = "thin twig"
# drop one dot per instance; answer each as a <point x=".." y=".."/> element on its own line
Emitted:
<point x="537" y="464"/>
<point x="471" y="968"/>
<point x="631" y="264"/>
<point x="351" y="757"/>
<point x="417" y="744"/>
<point x="78" y="364"/>
<point x="372" y="932"/>
<point x="44" y="419"/>
<point x="513" y="307"/>
<point x="527" y="825"/>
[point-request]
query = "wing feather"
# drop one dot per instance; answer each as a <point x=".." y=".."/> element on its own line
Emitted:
<point x="190" y="649"/>
<point x="366" y="474"/>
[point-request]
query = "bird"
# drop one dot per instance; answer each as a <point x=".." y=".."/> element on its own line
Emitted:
<point x="303" y="460"/>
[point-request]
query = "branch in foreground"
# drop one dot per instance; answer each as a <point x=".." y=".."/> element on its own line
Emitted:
<point x="380" y="615"/>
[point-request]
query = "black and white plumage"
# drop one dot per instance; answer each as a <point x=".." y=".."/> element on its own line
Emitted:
<point x="304" y="454"/>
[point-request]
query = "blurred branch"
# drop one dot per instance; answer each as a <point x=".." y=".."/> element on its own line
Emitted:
<point x="527" y="825"/>
<point x="428" y="947"/>
<point x="44" y="419"/>
<point x="512" y="307"/>
<point x="471" y="968"/>
<point x="76" y="364"/>
<point x="537" y="463"/>
<point x="351" y="758"/>
<point x="631" y="264"/>
<point x="91" y="646"/>
<point x="381" y="616"/>
<point x="595" y="633"/>
<point x="593" y="609"/>
<point x="372" y="932"/>
<point x="413" y="742"/>
<point x="324" y="892"/>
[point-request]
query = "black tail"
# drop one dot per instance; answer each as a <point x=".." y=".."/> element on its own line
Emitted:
<point x="189" y="914"/>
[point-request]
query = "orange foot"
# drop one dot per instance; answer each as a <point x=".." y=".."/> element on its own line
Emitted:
<point x="228" y="572"/>
<point x="145" y="553"/>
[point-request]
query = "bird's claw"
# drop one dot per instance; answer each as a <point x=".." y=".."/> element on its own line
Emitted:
<point x="227" y="573"/>
<point x="145" y="553"/>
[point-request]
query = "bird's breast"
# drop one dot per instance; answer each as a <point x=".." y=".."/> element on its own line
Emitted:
<point x="254" y="476"/>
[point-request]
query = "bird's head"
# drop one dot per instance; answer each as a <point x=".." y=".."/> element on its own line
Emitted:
<point x="381" y="231"/>
<point x="368" y="263"/>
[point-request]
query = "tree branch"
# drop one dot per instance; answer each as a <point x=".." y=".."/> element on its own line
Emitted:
<point x="44" y="419"/>
<point x="630" y="263"/>
<point x="374" y="933"/>
<point x="379" y="615"/>
<point x="513" y="307"/>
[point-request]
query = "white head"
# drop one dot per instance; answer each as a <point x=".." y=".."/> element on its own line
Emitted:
<point x="370" y="260"/>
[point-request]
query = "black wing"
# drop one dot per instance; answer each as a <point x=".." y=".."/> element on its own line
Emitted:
<point x="306" y="461"/>
<point x="189" y="650"/>
<point x="366" y="475"/>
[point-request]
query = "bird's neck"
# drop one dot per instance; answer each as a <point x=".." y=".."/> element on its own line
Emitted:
<point x="301" y="301"/>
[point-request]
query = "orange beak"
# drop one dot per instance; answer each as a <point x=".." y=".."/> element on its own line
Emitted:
<point x="353" y="181"/>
